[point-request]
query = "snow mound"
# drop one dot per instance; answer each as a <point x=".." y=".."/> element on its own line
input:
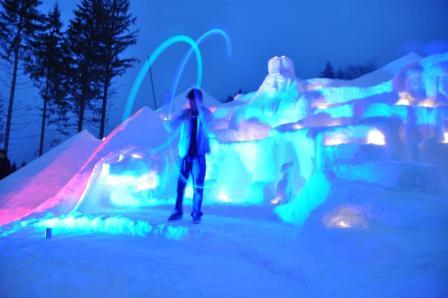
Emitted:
<point x="144" y="129"/>
<point x="140" y="133"/>
<point x="30" y="186"/>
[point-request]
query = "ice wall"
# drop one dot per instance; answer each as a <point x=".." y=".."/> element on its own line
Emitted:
<point x="284" y="144"/>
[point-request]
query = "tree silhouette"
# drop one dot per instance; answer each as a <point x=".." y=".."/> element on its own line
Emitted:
<point x="19" y="21"/>
<point x="115" y="37"/>
<point x="83" y="39"/>
<point x="1" y="120"/>
<point x="47" y="68"/>
<point x="328" y="72"/>
<point x="353" y="71"/>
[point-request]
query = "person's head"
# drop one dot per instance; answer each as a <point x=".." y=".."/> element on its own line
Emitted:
<point x="2" y="153"/>
<point x="195" y="99"/>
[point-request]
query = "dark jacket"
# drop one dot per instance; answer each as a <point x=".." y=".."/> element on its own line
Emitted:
<point x="5" y="167"/>
<point x="205" y="117"/>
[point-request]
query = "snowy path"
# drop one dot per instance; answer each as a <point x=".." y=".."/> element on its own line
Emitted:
<point x="244" y="252"/>
<point x="209" y="262"/>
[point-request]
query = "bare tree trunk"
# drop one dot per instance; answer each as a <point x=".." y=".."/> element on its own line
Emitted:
<point x="13" y="88"/>
<point x="82" y="105"/>
<point x="103" y="109"/>
<point x="81" y="113"/>
<point x="44" y="117"/>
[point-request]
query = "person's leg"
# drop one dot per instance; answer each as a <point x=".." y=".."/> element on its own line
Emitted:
<point x="184" y="173"/>
<point x="198" y="172"/>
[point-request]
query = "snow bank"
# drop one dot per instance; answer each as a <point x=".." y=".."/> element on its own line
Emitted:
<point x="32" y="185"/>
<point x="141" y="133"/>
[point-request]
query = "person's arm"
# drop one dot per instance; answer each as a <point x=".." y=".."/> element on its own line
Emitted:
<point x="208" y="121"/>
<point x="174" y="123"/>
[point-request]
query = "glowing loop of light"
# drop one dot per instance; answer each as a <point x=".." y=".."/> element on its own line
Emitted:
<point x="156" y="53"/>
<point x="182" y="66"/>
<point x="180" y="70"/>
<point x="178" y="75"/>
<point x="154" y="56"/>
<point x="150" y="61"/>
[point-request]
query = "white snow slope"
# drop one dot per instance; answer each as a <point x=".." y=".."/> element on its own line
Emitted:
<point x="27" y="188"/>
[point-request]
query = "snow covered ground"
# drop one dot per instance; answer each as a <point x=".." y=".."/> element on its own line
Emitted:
<point x="365" y="241"/>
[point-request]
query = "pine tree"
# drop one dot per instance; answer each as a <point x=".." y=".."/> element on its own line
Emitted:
<point x="116" y="36"/>
<point x="47" y="67"/>
<point x="83" y="38"/>
<point x="328" y="72"/>
<point x="19" y="20"/>
<point x="1" y="120"/>
<point x="340" y="74"/>
<point x="353" y="71"/>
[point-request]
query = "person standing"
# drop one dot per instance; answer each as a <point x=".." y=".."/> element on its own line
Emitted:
<point x="193" y="146"/>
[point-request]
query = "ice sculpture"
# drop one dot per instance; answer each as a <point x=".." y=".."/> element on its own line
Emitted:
<point x="284" y="144"/>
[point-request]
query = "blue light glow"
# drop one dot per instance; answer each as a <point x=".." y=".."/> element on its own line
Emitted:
<point x="116" y="225"/>
<point x="184" y="62"/>
<point x="176" y="80"/>
<point x="150" y="61"/>
<point x="314" y="193"/>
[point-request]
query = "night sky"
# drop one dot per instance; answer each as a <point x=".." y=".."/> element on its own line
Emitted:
<point x="310" y="32"/>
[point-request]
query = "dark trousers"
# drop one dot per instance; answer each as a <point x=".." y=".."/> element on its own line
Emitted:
<point x="196" y="167"/>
